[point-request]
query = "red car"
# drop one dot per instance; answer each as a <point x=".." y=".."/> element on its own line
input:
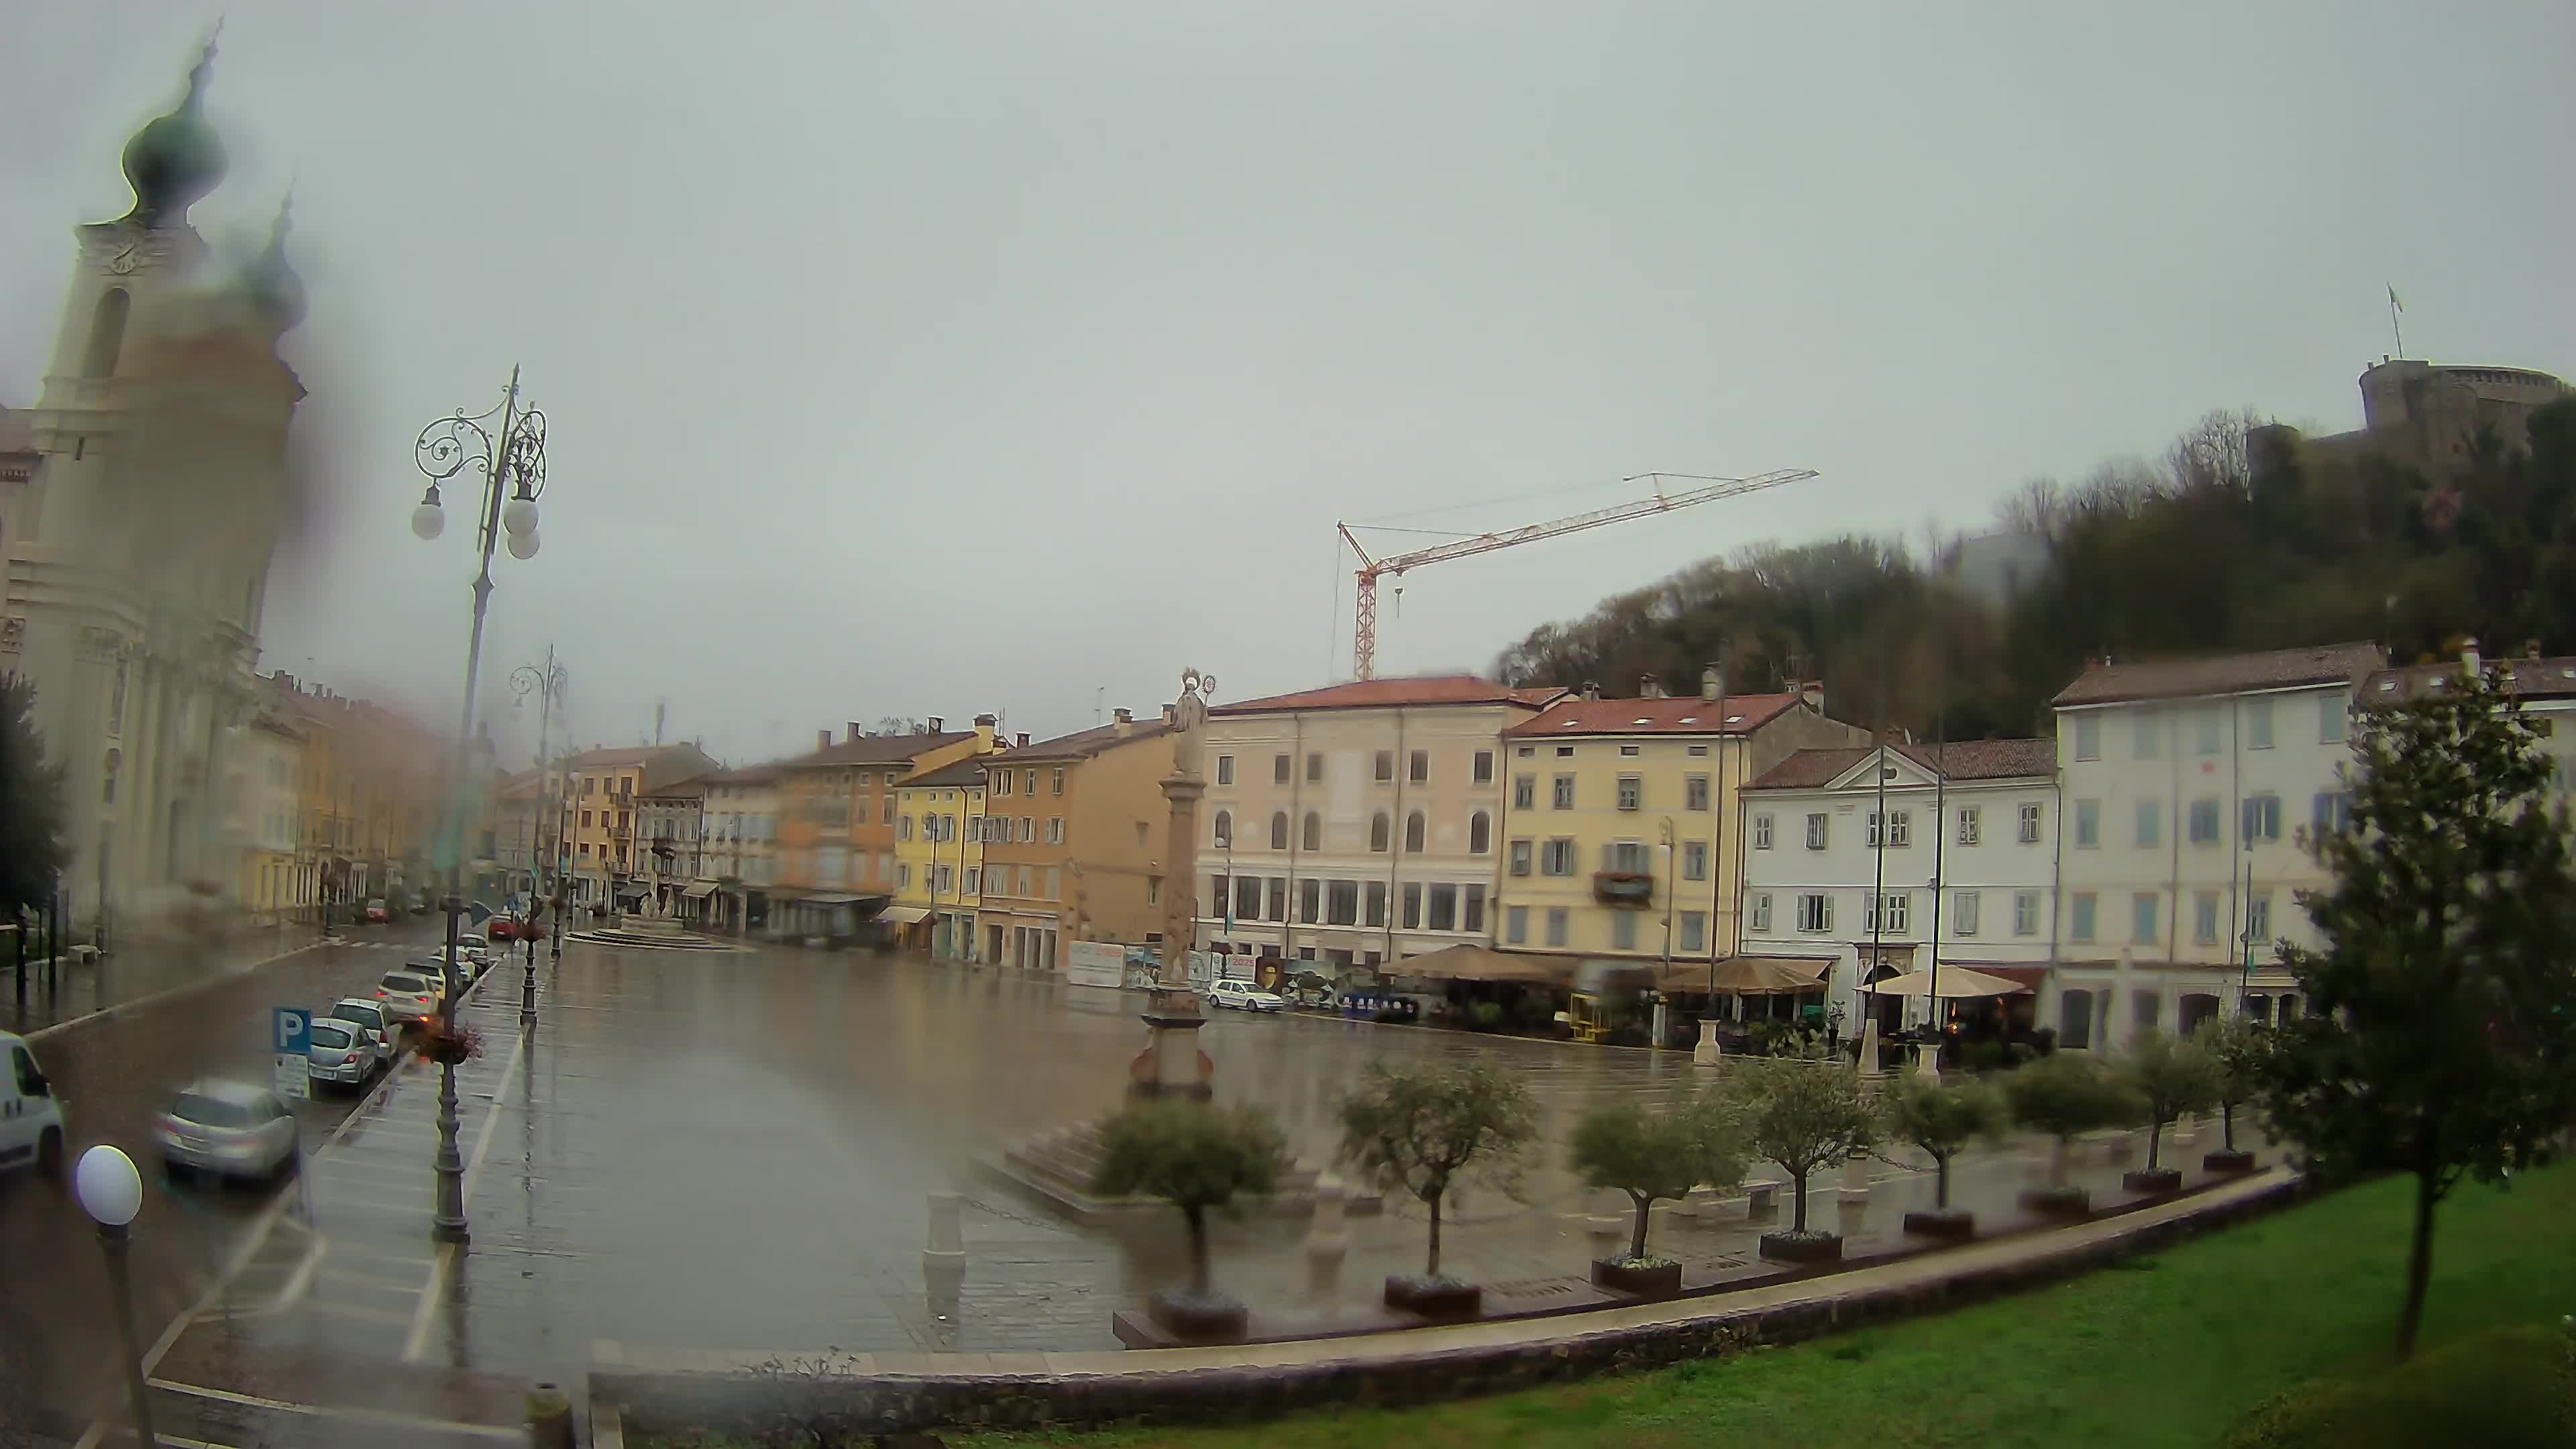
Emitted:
<point x="503" y="928"/>
<point x="376" y="913"/>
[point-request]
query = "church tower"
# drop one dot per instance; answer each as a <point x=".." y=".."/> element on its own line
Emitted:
<point x="138" y="547"/>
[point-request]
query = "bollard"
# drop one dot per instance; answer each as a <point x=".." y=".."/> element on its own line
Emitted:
<point x="947" y="1250"/>
<point x="1326" y="1242"/>
<point x="1609" y="1236"/>
<point x="1856" y="1174"/>
<point x="2183" y="1132"/>
<point x="549" y="1418"/>
<point x="1854" y="1205"/>
<point x="1761" y="1200"/>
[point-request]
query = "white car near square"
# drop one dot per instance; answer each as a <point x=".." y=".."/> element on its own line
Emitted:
<point x="1243" y="996"/>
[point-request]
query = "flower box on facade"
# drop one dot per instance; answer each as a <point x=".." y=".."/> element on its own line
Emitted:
<point x="1623" y="887"/>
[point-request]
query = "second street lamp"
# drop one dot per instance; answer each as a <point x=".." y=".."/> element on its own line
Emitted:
<point x="548" y="684"/>
<point x="512" y="465"/>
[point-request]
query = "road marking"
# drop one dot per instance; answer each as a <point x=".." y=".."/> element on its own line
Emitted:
<point x="426" y="1312"/>
<point x="354" y="1278"/>
<point x="360" y="1311"/>
<point x="515" y="1434"/>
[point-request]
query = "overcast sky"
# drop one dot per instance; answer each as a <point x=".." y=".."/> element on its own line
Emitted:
<point x="940" y="358"/>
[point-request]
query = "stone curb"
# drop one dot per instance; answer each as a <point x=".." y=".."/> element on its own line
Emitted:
<point x="671" y="1390"/>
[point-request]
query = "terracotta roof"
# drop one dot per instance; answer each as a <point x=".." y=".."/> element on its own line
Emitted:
<point x="760" y="774"/>
<point x="1739" y="714"/>
<point x="2553" y="678"/>
<point x="1083" y="744"/>
<point x="1389" y="693"/>
<point x="1965" y="760"/>
<point x="875" y="750"/>
<point x="686" y="785"/>
<point x="968" y="772"/>
<point x="2221" y="674"/>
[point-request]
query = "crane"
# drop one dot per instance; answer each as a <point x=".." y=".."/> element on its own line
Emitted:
<point x="1364" y="612"/>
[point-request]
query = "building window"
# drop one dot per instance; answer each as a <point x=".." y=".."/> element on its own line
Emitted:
<point x="1342" y="903"/>
<point x="1413" y="830"/>
<point x="2025" y="913"/>
<point x="1623" y="930"/>
<point x="2088" y="823"/>
<point x="886" y="816"/>
<point x="1815" y="912"/>
<point x="974" y="879"/>
<point x="1376" y="912"/>
<point x="2258" y="919"/>
<point x="2079" y="912"/>
<point x="1694" y="931"/>
<point x="1963" y="912"/>
<point x="1310" y="901"/>
<point x="2030" y="822"/>
<point x="902" y="829"/>
<point x="2075" y="1020"/>
<point x="2149" y="727"/>
<point x="1900" y="827"/>
<point x="1382" y="767"/>
<point x="1894" y="906"/>
<point x="2151" y="821"/>
<point x="1413" y="905"/>
<point x="1628" y="751"/>
<point x="902" y="874"/>
<point x="1695" y="792"/>
<point x="1816" y="830"/>
<point x="1524" y="792"/>
<point x="2204" y="822"/>
<point x="2142" y="918"/>
<point x="1632" y="792"/>
<point x="1420" y="767"/>
<point x="1153" y="889"/>
<point x="2205" y="726"/>
<point x="1761" y="832"/>
<point x="1484" y="771"/>
<point x="1471" y="909"/>
<point x="1759" y="910"/>
<point x="1694" y="860"/>
<point x="2204" y="918"/>
<point x="1224" y="771"/>
<point x="1557" y="857"/>
<point x="1563" y="799"/>
<point x="1310" y="835"/>
<point x="2332" y="719"/>
<point x="2262" y="817"/>
<point x="2258" y="724"/>
<point x="1277" y="909"/>
<point x="1516" y="926"/>
<point x="1556" y="925"/>
<point x="1001" y="782"/>
<point x="1480" y="833"/>
<point x="1055" y="830"/>
<point x="1225" y="830"/>
<point x="2330" y="813"/>
<point x="2088" y="737"/>
<point x="1314" y="767"/>
<point x="1381" y="832"/>
<point x="1967" y="825"/>
<point x="1278" y="830"/>
<point x="1029" y="781"/>
<point x="1279" y="769"/>
<point x="1520" y="856"/>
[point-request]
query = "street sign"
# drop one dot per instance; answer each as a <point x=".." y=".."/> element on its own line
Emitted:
<point x="290" y="1034"/>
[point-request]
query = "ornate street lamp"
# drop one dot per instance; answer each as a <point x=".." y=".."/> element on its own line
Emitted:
<point x="547" y="684"/>
<point x="512" y="470"/>
<point x="111" y="1192"/>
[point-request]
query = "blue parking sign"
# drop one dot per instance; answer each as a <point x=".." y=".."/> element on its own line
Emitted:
<point x="291" y="1030"/>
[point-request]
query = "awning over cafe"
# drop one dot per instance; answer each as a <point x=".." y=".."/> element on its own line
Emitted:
<point x="832" y="900"/>
<point x="1479" y="963"/>
<point x="1758" y="976"/>
<point x="903" y="915"/>
<point x="1955" y="983"/>
<point x="699" y="890"/>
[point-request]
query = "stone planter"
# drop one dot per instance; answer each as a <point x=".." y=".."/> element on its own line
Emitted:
<point x="1433" y="1297"/>
<point x="2152" y="1181"/>
<point x="1199" y="1318"/>
<point x="2228" y="1162"/>
<point x="1640" y="1277"/>
<point x="1948" y="1224"/>
<point x="2058" y="1202"/>
<point x="1807" y="1247"/>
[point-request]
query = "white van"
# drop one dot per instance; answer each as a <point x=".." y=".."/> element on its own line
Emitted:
<point x="31" y="1117"/>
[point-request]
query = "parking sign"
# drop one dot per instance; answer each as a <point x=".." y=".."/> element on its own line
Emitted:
<point x="290" y="1033"/>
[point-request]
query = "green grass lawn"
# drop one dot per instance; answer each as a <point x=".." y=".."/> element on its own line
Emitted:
<point x="2164" y="1351"/>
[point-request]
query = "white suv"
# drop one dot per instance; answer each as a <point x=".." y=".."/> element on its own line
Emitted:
<point x="1243" y="996"/>
<point x="31" y="1116"/>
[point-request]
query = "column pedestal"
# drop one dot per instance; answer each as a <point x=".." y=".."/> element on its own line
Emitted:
<point x="1171" y="1065"/>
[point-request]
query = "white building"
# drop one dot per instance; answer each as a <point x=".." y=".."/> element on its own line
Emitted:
<point x="140" y="501"/>
<point x="2185" y="784"/>
<point x="1962" y="872"/>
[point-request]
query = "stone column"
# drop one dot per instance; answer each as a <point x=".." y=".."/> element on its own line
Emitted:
<point x="1171" y="1063"/>
<point x="1327" y="1242"/>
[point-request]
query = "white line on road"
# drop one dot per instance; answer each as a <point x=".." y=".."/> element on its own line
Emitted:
<point x="426" y="1313"/>
<point x="514" y="1434"/>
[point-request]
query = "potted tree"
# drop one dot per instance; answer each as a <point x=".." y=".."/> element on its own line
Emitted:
<point x="2170" y="1076"/>
<point x="1652" y="1156"/>
<point x="1942" y="1118"/>
<point x="1415" y="1129"/>
<point x="2065" y="1095"/>
<point x="1197" y="1158"/>
<point x="1803" y="1113"/>
<point x="2240" y="1044"/>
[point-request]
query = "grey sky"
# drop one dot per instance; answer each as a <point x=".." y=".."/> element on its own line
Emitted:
<point x="905" y="359"/>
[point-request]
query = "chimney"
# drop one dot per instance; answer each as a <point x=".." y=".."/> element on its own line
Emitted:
<point x="1169" y="718"/>
<point x="984" y="730"/>
<point x="1591" y="689"/>
<point x="2469" y="661"/>
<point x="1123" y="721"/>
<point x="1814" y="694"/>
<point x="937" y="725"/>
<point x="2531" y="649"/>
<point x="822" y="739"/>
<point x="1648" y="687"/>
<point x="855" y="730"/>
<point x="1020" y="741"/>
<point x="1712" y="685"/>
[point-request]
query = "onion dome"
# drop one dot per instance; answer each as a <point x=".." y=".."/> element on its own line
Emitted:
<point x="175" y="159"/>
<point x="270" y="279"/>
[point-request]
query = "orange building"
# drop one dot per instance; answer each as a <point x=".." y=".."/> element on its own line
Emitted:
<point x="836" y="819"/>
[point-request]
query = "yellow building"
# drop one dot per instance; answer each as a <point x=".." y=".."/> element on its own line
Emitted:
<point x="266" y="816"/>
<point x="607" y="868"/>
<point x="939" y="856"/>
<point x="1599" y="788"/>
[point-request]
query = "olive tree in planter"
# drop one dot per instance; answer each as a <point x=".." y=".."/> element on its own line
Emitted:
<point x="1802" y="1113"/>
<point x="1689" y="1142"/>
<point x="1197" y="1158"/>
<point x="1417" y="1129"/>
<point x="1942" y="1118"/>
<point x="2065" y="1095"/>
<point x="2170" y="1076"/>
<point x="2240" y="1044"/>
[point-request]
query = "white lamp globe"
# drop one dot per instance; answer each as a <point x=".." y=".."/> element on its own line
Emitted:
<point x="427" y="521"/>
<point x="524" y="545"/>
<point x="110" y="1190"/>
<point x="519" y="515"/>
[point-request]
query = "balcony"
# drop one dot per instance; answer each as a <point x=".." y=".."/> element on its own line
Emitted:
<point x="1623" y="887"/>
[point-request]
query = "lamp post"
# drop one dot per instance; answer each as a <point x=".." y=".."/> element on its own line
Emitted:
<point x="111" y="1192"/>
<point x="514" y="463"/>
<point x="1663" y="974"/>
<point x="547" y="684"/>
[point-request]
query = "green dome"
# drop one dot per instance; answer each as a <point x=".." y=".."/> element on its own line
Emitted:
<point x="175" y="159"/>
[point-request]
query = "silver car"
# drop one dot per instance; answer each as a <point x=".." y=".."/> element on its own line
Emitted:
<point x="230" y="1129"/>
<point x="341" y="1052"/>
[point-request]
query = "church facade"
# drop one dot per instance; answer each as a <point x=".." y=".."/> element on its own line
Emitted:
<point x="141" y="500"/>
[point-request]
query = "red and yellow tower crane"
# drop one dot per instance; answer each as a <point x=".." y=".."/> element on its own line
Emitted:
<point x="1364" y="618"/>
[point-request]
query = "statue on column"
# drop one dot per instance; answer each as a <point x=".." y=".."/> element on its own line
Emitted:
<point x="1171" y="1063"/>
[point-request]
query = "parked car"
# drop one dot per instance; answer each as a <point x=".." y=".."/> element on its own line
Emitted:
<point x="230" y="1129"/>
<point x="409" y="994"/>
<point x="1243" y="996"/>
<point x="342" y="1052"/>
<point x="31" y="1116"/>
<point x="376" y="914"/>
<point x="370" y="1017"/>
